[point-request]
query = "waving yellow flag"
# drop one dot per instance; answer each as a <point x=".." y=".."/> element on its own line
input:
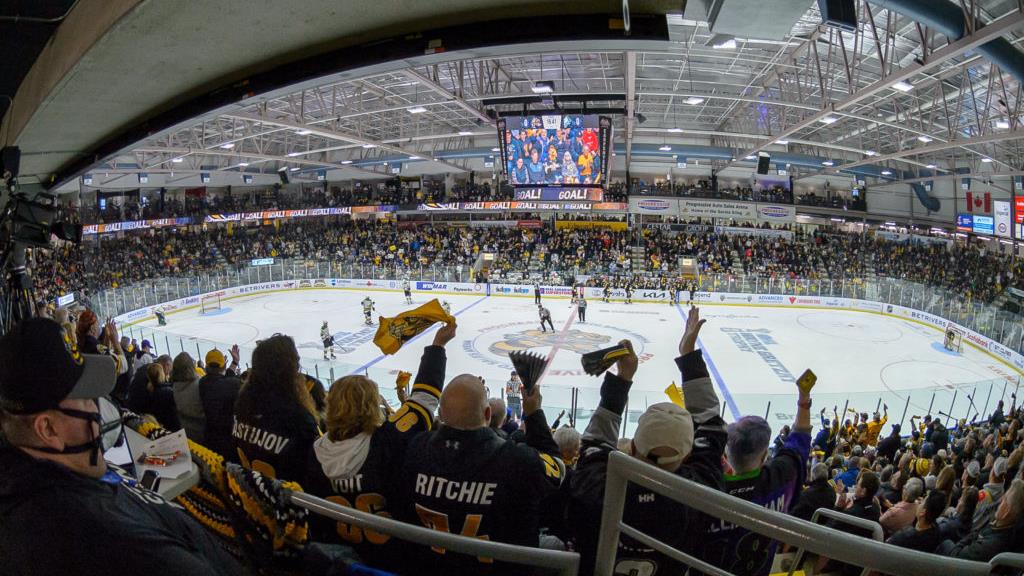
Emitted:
<point x="394" y="332"/>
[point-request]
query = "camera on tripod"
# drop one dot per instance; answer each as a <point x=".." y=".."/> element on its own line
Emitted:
<point x="24" y="222"/>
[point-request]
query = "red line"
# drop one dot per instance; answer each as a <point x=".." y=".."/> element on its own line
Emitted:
<point x="558" y="345"/>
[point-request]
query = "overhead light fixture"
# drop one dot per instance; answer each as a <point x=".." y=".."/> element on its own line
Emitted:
<point x="924" y="139"/>
<point x="903" y="86"/>
<point x="368" y="146"/>
<point x="828" y="163"/>
<point x="665" y="148"/>
<point x="886" y="173"/>
<point x="243" y="164"/>
<point x="693" y="100"/>
<point x="828" y="120"/>
<point x="228" y="146"/>
<point x="727" y="45"/>
<point x="675" y="130"/>
<point x="782" y="142"/>
<point x="751" y="158"/>
<point x="415" y="158"/>
<point x="177" y="160"/>
<point x="294" y="169"/>
<point x="465" y="133"/>
<point x="543" y="87"/>
<point x="930" y="166"/>
<point x="294" y="154"/>
<point x="495" y="149"/>
<point x="1002" y="124"/>
<point x="986" y="160"/>
<point x="870" y="153"/>
<point x="890" y="223"/>
<point x="303" y="132"/>
<point x="346" y="161"/>
<point x="416" y="110"/>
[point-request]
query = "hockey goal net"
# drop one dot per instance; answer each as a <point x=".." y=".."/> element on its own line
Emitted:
<point x="954" y="338"/>
<point x="209" y="303"/>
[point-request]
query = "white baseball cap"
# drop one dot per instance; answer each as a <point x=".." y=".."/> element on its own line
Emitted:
<point x="664" y="425"/>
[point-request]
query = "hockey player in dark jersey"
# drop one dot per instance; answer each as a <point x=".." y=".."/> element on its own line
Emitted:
<point x="773" y="484"/>
<point x="686" y="442"/>
<point x="465" y="479"/>
<point x="354" y="463"/>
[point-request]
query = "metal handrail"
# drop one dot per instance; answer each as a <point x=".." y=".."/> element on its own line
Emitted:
<point x="561" y="563"/>
<point x="863" y="523"/>
<point x="840" y="546"/>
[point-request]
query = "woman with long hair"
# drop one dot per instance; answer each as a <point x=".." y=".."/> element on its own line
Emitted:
<point x="185" y="383"/>
<point x="356" y="461"/>
<point x="156" y="398"/>
<point x="275" y="417"/>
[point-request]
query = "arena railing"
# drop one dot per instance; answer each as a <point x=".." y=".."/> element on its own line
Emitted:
<point x="989" y="320"/>
<point x="552" y="561"/>
<point x="827" y="542"/>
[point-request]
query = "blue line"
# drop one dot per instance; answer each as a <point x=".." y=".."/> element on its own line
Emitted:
<point x="714" y="372"/>
<point x="362" y="368"/>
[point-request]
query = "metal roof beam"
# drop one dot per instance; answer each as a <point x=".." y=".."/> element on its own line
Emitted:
<point x="444" y="93"/>
<point x="630" y="104"/>
<point x="951" y="50"/>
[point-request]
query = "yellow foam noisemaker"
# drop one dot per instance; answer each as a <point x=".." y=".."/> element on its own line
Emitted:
<point x="676" y="395"/>
<point x="394" y="332"/>
<point x="402" y="381"/>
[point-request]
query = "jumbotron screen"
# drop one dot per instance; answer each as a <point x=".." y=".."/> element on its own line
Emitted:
<point x="555" y="149"/>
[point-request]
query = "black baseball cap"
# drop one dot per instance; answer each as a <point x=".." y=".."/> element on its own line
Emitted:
<point x="40" y="367"/>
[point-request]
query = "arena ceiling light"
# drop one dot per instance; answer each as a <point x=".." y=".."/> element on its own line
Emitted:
<point x="282" y="168"/>
<point x="886" y="172"/>
<point x="368" y="146"/>
<point x="828" y="163"/>
<point x="675" y="130"/>
<point x="416" y="110"/>
<point x="924" y="139"/>
<point x="693" y="100"/>
<point x="465" y="133"/>
<point x="294" y="169"/>
<point x="903" y="86"/>
<point x="870" y="153"/>
<point x="303" y="132"/>
<point x="177" y="160"/>
<point x="415" y="158"/>
<point x="729" y="44"/>
<point x="751" y="158"/>
<point x="782" y="142"/>
<point x="495" y="149"/>
<point x="1002" y="124"/>
<point x="243" y="164"/>
<point x="543" y="87"/>
<point x="294" y="154"/>
<point x="986" y="160"/>
<point x="665" y="148"/>
<point x="828" y="120"/>
<point x="228" y="146"/>
<point x="346" y="161"/>
<point x="930" y="166"/>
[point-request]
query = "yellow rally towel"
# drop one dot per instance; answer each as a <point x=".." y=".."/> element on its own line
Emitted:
<point x="675" y="395"/>
<point x="394" y="332"/>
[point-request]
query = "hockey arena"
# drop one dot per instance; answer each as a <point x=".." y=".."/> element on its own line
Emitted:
<point x="862" y="358"/>
<point x="512" y="288"/>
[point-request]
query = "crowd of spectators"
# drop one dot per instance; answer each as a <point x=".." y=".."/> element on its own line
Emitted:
<point x="969" y="269"/>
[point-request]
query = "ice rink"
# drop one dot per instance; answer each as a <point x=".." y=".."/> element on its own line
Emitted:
<point x="754" y="353"/>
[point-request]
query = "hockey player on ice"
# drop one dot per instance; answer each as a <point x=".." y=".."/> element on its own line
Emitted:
<point x="325" y="335"/>
<point x="368" y="310"/>
<point x="446" y="306"/>
<point x="408" y="291"/>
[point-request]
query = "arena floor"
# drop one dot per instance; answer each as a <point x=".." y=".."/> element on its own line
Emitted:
<point x="754" y="353"/>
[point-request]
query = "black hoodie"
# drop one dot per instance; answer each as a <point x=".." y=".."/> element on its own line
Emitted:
<point x="55" y="521"/>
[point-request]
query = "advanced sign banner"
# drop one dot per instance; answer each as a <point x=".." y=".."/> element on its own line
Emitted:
<point x="708" y="208"/>
<point x="984" y="224"/>
<point x="560" y="193"/>
<point x="1002" y="218"/>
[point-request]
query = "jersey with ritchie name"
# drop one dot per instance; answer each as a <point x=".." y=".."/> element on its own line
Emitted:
<point x="372" y="489"/>
<point x="474" y="483"/>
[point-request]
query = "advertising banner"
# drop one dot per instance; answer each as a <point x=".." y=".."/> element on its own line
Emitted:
<point x="965" y="222"/>
<point x="693" y="208"/>
<point x="526" y="206"/>
<point x="984" y="224"/>
<point x="661" y="206"/>
<point x="560" y="193"/>
<point x="776" y="213"/>
<point x="1002" y="218"/>
<point x="587" y="225"/>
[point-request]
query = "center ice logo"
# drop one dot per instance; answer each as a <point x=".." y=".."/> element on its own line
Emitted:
<point x="575" y="340"/>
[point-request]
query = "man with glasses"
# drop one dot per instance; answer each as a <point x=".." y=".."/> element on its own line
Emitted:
<point x="62" y="510"/>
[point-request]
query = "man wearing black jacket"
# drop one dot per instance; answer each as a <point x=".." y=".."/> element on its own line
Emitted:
<point x="218" y="391"/>
<point x="818" y="494"/>
<point x="888" y="446"/>
<point x="62" y="511"/>
<point x="464" y="479"/>
<point x="688" y="442"/>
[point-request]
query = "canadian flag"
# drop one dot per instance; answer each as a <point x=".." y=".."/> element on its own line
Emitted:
<point x="977" y="202"/>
